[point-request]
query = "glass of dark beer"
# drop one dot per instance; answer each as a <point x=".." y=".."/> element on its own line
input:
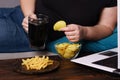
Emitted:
<point x="37" y="31"/>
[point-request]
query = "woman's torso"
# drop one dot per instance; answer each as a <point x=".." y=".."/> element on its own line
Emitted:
<point x="82" y="12"/>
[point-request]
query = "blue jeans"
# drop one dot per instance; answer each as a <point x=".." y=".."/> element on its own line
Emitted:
<point x="90" y="46"/>
<point x="12" y="36"/>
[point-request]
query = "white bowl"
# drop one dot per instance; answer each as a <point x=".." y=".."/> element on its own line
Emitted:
<point x="68" y="50"/>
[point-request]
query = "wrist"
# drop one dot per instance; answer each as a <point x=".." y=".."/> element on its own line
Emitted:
<point x="84" y="35"/>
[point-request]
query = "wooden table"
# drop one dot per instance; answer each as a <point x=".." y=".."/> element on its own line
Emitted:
<point x="66" y="71"/>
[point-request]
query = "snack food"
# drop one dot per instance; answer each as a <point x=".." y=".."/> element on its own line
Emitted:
<point x="61" y="48"/>
<point x="68" y="50"/>
<point x="59" y="24"/>
<point x="36" y="63"/>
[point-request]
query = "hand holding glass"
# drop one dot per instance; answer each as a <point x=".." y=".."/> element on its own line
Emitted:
<point x="37" y="31"/>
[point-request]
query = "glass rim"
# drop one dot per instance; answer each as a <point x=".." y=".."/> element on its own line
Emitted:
<point x="40" y="17"/>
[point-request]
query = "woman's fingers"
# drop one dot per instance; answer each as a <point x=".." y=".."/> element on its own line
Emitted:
<point x="72" y="32"/>
<point x="25" y="24"/>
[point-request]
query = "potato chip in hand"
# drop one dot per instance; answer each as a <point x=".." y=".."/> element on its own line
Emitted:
<point x="59" y="24"/>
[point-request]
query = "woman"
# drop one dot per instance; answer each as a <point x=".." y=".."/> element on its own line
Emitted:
<point x="91" y="22"/>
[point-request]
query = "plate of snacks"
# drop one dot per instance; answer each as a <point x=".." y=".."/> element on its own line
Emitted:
<point x="36" y="65"/>
<point x="68" y="50"/>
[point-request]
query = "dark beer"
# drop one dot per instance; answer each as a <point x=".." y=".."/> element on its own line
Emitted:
<point x="37" y="33"/>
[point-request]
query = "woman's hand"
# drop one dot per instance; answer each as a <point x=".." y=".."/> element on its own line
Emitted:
<point x="73" y="32"/>
<point x="25" y="22"/>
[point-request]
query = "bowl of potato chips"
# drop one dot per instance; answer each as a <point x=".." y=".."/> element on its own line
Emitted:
<point x="68" y="50"/>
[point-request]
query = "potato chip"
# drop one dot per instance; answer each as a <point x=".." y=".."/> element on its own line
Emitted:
<point x="61" y="48"/>
<point x="71" y="51"/>
<point x="69" y="55"/>
<point x="59" y="24"/>
<point x="73" y="47"/>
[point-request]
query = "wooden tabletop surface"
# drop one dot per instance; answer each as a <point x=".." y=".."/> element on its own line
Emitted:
<point x="66" y="71"/>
